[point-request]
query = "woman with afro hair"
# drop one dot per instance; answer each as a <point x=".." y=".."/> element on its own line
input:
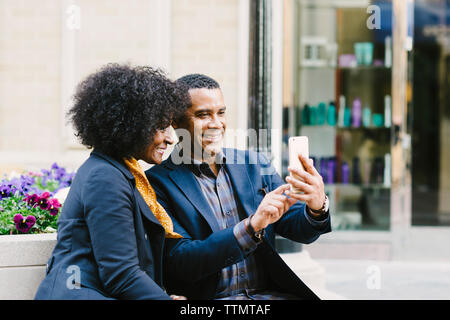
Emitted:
<point x="111" y="230"/>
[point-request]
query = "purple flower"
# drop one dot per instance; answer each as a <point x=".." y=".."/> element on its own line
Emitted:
<point x="32" y="200"/>
<point x="20" y="185"/>
<point x="45" y="195"/>
<point x="25" y="184"/>
<point x="43" y="202"/>
<point x="27" y="180"/>
<point x="24" y="224"/>
<point x="54" y="206"/>
<point x="5" y="191"/>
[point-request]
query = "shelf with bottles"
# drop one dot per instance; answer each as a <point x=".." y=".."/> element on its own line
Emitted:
<point x="350" y="129"/>
<point x="363" y="56"/>
<point x="319" y="53"/>
<point x="356" y="118"/>
<point x="356" y="129"/>
<point x="379" y="66"/>
<point x="335" y="171"/>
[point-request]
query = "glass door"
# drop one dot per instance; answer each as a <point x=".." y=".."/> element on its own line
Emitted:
<point x="341" y="75"/>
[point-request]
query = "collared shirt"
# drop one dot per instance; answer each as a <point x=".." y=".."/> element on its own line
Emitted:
<point x="245" y="279"/>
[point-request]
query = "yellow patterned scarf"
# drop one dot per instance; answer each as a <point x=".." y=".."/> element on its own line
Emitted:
<point x="145" y="189"/>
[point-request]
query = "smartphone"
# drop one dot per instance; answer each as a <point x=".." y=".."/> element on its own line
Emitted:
<point x="297" y="146"/>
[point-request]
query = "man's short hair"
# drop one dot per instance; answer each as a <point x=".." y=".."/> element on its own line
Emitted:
<point x="198" y="81"/>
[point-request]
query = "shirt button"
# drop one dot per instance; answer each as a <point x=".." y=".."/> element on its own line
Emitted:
<point x="228" y="213"/>
<point x="242" y="274"/>
<point x="145" y="236"/>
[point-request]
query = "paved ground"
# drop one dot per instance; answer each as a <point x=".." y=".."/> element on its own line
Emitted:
<point x="391" y="280"/>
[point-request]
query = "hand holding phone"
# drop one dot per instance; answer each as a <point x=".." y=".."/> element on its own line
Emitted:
<point x="306" y="183"/>
<point x="297" y="146"/>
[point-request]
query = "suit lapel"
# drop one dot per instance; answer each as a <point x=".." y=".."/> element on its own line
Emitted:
<point x="242" y="184"/>
<point x="187" y="183"/>
<point x="140" y="202"/>
<point x="145" y="208"/>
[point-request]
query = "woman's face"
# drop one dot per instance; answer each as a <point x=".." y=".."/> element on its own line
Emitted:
<point x="155" y="151"/>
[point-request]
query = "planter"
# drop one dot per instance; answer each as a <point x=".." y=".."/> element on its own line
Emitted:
<point x="23" y="260"/>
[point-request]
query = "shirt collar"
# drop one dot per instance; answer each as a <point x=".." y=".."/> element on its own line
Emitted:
<point x="198" y="167"/>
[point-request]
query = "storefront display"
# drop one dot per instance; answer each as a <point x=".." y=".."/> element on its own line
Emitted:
<point x="342" y="102"/>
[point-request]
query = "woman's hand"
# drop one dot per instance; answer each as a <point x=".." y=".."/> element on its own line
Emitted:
<point x="175" y="297"/>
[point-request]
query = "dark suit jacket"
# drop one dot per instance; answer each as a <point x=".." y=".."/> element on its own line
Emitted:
<point x="193" y="263"/>
<point x="107" y="232"/>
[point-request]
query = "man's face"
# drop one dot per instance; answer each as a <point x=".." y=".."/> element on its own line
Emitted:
<point x="205" y="121"/>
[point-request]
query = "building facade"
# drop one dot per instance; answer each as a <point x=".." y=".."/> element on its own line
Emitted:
<point x="47" y="48"/>
<point x="366" y="81"/>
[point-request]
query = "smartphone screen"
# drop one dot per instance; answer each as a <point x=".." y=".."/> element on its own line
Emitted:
<point x="297" y="146"/>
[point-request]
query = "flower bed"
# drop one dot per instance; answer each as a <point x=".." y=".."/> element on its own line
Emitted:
<point x="30" y="202"/>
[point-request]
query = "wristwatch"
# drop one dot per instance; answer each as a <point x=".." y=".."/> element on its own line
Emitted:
<point x="257" y="236"/>
<point x="324" y="209"/>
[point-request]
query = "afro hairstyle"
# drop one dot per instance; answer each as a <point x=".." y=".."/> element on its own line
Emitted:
<point x="118" y="109"/>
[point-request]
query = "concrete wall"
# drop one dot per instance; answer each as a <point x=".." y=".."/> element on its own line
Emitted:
<point x="29" y="79"/>
<point x="44" y="54"/>
<point x="23" y="260"/>
<point x="205" y="40"/>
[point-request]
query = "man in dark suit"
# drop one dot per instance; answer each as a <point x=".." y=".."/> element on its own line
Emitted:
<point x="228" y="205"/>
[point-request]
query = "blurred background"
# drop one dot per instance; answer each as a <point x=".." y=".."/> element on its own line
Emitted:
<point x="367" y="81"/>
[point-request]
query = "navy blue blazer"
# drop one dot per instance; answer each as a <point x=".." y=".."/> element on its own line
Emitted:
<point x="109" y="244"/>
<point x="193" y="264"/>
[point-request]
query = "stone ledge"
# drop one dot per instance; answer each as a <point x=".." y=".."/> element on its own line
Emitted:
<point x="20" y="283"/>
<point x="26" y="249"/>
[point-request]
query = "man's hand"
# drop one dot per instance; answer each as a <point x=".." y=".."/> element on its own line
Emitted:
<point x="175" y="297"/>
<point x="272" y="208"/>
<point x="312" y="186"/>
